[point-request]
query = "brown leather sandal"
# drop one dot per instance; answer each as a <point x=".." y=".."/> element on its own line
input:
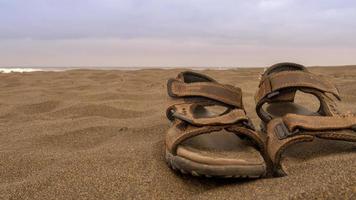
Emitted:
<point x="207" y="118"/>
<point x="287" y="122"/>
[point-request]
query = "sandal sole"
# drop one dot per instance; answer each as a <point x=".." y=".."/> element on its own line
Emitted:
<point x="186" y="166"/>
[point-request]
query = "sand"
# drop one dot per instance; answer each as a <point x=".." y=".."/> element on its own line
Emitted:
<point x="91" y="134"/>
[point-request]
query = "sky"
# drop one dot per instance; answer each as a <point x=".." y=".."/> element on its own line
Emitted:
<point x="176" y="33"/>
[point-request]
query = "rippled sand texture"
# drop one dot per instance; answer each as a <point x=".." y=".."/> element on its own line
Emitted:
<point x="91" y="134"/>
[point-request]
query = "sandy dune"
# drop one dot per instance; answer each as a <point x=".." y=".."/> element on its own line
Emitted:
<point x="91" y="134"/>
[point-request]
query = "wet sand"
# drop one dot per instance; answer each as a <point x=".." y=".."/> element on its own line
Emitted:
<point x="91" y="134"/>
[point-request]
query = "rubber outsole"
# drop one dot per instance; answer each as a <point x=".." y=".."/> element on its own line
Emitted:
<point x="186" y="166"/>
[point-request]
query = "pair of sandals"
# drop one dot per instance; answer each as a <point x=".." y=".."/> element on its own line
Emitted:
<point x="207" y="116"/>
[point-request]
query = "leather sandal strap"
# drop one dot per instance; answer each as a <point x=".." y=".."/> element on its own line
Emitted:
<point x="218" y="92"/>
<point x="293" y="128"/>
<point x="319" y="123"/>
<point x="280" y="82"/>
<point x="182" y="131"/>
<point x="271" y="85"/>
<point x="190" y="77"/>
<point x="191" y="84"/>
<point x="173" y="102"/>
<point x="187" y="112"/>
<point x="192" y="91"/>
<point x="293" y="124"/>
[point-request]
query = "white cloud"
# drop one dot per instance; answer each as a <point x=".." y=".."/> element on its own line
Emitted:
<point x="273" y="4"/>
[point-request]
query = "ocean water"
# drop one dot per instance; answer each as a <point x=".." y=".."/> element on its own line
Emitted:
<point x="29" y="69"/>
<point x="10" y="70"/>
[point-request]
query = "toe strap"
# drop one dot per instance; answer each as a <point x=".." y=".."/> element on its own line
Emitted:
<point x="187" y="112"/>
<point x="292" y="129"/>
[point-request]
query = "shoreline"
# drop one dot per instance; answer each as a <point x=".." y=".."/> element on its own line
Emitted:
<point x="59" y="69"/>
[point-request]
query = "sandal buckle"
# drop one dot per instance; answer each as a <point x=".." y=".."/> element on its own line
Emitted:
<point x="283" y="132"/>
<point x="353" y="128"/>
<point x="273" y="94"/>
<point x="248" y="124"/>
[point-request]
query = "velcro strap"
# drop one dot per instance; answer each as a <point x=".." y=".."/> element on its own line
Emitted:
<point x="293" y="123"/>
<point x="316" y="123"/>
<point x="186" y="112"/>
<point x="223" y="93"/>
<point x="293" y="79"/>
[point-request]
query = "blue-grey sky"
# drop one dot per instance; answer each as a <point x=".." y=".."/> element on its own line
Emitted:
<point x="176" y="32"/>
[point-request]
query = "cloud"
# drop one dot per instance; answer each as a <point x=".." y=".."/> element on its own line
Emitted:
<point x="273" y="4"/>
<point x="250" y="22"/>
<point x="220" y="25"/>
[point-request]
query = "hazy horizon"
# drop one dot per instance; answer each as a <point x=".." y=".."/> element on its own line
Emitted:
<point x="159" y="33"/>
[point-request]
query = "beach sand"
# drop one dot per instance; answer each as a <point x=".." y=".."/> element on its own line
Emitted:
<point x="92" y="134"/>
